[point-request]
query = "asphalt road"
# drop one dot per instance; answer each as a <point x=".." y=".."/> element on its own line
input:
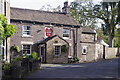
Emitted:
<point x="100" y="69"/>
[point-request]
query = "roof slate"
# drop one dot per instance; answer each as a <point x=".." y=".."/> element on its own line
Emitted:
<point x="49" y="38"/>
<point x="42" y="16"/>
<point x="86" y="29"/>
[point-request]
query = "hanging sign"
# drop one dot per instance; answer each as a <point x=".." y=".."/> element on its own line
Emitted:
<point x="48" y="32"/>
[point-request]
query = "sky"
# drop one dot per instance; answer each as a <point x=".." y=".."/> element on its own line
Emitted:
<point x="38" y="4"/>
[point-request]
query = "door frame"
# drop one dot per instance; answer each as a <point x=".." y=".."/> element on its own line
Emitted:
<point x="43" y="53"/>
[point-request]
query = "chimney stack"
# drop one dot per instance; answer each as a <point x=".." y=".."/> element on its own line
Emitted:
<point x="66" y="8"/>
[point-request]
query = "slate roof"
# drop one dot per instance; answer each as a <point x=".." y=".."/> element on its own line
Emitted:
<point x="87" y="29"/>
<point x="41" y="16"/>
<point x="46" y="39"/>
<point x="49" y="38"/>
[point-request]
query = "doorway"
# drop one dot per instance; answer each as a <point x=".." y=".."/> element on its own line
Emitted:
<point x="103" y="52"/>
<point x="42" y="54"/>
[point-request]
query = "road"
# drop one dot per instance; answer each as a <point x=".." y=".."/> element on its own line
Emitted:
<point x="100" y="69"/>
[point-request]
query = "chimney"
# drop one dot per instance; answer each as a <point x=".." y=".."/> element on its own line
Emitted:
<point x="66" y="8"/>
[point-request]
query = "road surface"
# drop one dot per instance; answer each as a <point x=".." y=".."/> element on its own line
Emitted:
<point x="100" y="69"/>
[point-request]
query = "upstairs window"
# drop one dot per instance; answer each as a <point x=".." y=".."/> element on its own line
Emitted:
<point x="57" y="50"/>
<point x="66" y="33"/>
<point x="26" y="30"/>
<point x="27" y="49"/>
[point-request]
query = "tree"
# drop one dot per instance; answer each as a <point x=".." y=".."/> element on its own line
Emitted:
<point x="106" y="11"/>
<point x="6" y="30"/>
<point x="78" y="13"/>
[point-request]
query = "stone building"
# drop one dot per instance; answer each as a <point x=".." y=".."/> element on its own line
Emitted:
<point x="54" y="49"/>
<point x="48" y="32"/>
<point x="91" y="48"/>
<point x="34" y="26"/>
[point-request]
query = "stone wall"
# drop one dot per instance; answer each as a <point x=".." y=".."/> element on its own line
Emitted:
<point x="88" y="37"/>
<point x="90" y="55"/>
<point x="38" y="33"/>
<point x="98" y="51"/>
<point x="110" y="52"/>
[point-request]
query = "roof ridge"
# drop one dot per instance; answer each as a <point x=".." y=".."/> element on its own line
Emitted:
<point x="37" y="10"/>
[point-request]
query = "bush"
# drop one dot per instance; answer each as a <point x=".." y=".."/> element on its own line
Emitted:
<point x="35" y="56"/>
<point x="7" y="66"/>
<point x="64" y="48"/>
<point x="26" y="55"/>
<point x="77" y="59"/>
<point x="19" y="58"/>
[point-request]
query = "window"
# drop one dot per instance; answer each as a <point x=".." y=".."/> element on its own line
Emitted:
<point x="3" y="50"/>
<point x="27" y="49"/>
<point x="26" y="30"/>
<point x="5" y="8"/>
<point x="66" y="33"/>
<point x="84" y="49"/>
<point x="57" y="50"/>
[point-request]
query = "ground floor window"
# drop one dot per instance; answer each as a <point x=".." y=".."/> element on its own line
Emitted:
<point x="84" y="49"/>
<point x="57" y="50"/>
<point x="27" y="49"/>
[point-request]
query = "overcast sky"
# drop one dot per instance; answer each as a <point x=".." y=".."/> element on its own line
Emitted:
<point x="37" y="4"/>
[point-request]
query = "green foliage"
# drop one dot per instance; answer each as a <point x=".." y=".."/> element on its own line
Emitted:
<point x="102" y="36"/>
<point x="117" y="38"/>
<point x="106" y="11"/>
<point x="16" y="48"/>
<point x="18" y="58"/>
<point x="26" y="55"/>
<point x="9" y="31"/>
<point x="64" y="48"/>
<point x="78" y="13"/>
<point x="7" y="66"/>
<point x="6" y="30"/>
<point x="35" y="55"/>
<point x="77" y="59"/>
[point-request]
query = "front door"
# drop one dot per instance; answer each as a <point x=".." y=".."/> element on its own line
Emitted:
<point x="42" y="54"/>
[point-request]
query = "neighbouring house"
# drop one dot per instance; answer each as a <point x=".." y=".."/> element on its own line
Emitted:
<point x="88" y="44"/>
<point x="5" y="47"/>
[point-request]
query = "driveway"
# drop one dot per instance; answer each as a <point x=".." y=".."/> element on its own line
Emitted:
<point x="100" y="69"/>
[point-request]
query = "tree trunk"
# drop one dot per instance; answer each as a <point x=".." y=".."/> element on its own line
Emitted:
<point x="111" y="38"/>
<point x="111" y="42"/>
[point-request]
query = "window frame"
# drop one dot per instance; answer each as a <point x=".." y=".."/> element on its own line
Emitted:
<point x="30" y="49"/>
<point x="84" y="47"/>
<point x="59" y="51"/>
<point x="66" y="33"/>
<point x="23" y="31"/>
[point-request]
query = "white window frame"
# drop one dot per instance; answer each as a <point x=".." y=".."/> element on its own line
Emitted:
<point x="66" y="33"/>
<point x="25" y="35"/>
<point x="84" y="47"/>
<point x="60" y="50"/>
<point x="4" y="47"/>
<point x="30" y="49"/>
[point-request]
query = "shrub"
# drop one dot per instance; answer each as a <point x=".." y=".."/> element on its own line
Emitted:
<point x="19" y="58"/>
<point x="64" y="48"/>
<point x="7" y="66"/>
<point x="26" y="55"/>
<point x="15" y="48"/>
<point x="35" y="55"/>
